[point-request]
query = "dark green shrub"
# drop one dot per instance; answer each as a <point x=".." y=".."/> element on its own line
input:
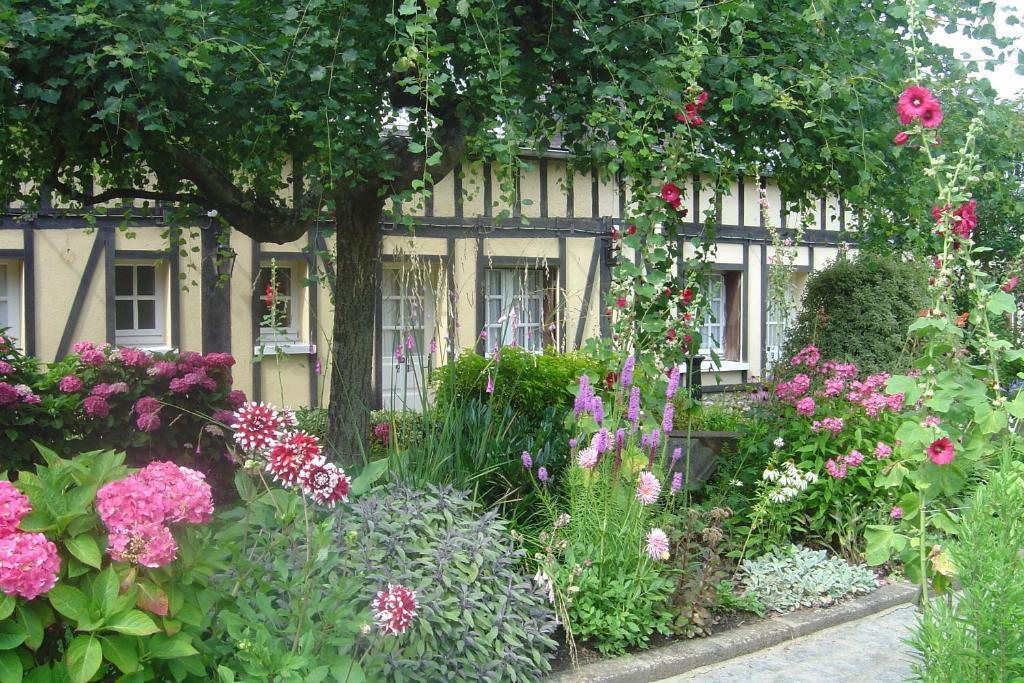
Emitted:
<point x="527" y="382"/>
<point x="478" y="618"/>
<point x="868" y="302"/>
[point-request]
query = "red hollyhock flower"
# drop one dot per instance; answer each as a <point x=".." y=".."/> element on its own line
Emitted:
<point x="702" y="99"/>
<point x="621" y="302"/>
<point x="671" y="336"/>
<point x="687" y="338"/>
<point x="1011" y="284"/>
<point x="687" y="295"/>
<point x="901" y="138"/>
<point x="931" y="117"/>
<point x="968" y="219"/>
<point x="670" y="193"/>
<point x="941" y="451"/>
<point x="668" y="291"/>
<point x="631" y="230"/>
<point x="268" y="295"/>
<point x="913" y="102"/>
<point x="938" y="213"/>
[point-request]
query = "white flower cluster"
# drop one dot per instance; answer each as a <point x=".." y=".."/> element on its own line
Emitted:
<point x="787" y="482"/>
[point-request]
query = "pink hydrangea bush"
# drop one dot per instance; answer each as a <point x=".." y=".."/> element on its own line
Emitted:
<point x="29" y="563"/>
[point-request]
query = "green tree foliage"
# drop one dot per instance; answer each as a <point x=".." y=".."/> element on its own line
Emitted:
<point x="858" y="310"/>
<point x="201" y="106"/>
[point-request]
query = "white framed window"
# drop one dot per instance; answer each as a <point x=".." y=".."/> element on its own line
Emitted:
<point x="407" y="321"/>
<point x="516" y="308"/>
<point x="712" y="331"/>
<point x="10" y="298"/>
<point x="779" y="320"/>
<point x="140" y="296"/>
<point x="278" y="304"/>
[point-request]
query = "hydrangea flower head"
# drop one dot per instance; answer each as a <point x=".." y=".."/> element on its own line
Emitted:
<point x="29" y="564"/>
<point x="96" y="406"/>
<point x="70" y="384"/>
<point x="394" y="609"/>
<point x="14" y="505"/>
<point x="256" y="426"/>
<point x="149" y="545"/>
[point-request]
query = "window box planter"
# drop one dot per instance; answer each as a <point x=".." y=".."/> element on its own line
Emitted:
<point x="704" y="449"/>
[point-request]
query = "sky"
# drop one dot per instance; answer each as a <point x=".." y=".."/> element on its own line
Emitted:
<point x="1005" y="81"/>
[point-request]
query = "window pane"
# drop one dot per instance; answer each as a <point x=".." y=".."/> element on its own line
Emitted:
<point x="284" y="313"/>
<point x="284" y="281"/>
<point x="4" y="321"/>
<point x="124" y="315"/>
<point x="494" y="282"/>
<point x="146" y="280"/>
<point x="3" y="283"/>
<point x="123" y="285"/>
<point x="390" y="313"/>
<point x="147" y="315"/>
<point x="493" y="311"/>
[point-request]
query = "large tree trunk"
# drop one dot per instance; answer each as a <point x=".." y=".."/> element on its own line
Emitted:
<point x="215" y="286"/>
<point x="356" y="289"/>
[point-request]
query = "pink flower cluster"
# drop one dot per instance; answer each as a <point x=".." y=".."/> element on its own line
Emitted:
<point x="292" y="457"/>
<point x="808" y="356"/>
<point x="794" y="389"/>
<point x="17" y="393"/>
<point x="394" y="609"/>
<point x="834" y="425"/>
<point x="837" y="468"/>
<point x="29" y="563"/>
<point x="137" y="509"/>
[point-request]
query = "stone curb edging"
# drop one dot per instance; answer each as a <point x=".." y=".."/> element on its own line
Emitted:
<point x="683" y="656"/>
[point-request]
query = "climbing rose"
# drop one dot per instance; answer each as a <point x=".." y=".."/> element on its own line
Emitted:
<point x="256" y="426"/>
<point x="394" y="609"/>
<point x="324" y="482"/>
<point x="14" y="506"/>
<point x="657" y="544"/>
<point x="913" y="102"/>
<point x="941" y="451"/>
<point x="29" y="564"/>
<point x="587" y="457"/>
<point x="69" y="384"/>
<point x="648" y="488"/>
<point x="901" y="138"/>
<point x="288" y="456"/>
<point x="149" y="545"/>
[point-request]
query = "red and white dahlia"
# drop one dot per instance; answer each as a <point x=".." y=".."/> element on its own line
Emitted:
<point x="324" y="482"/>
<point x="288" y="456"/>
<point x="256" y="426"/>
<point x="394" y="609"/>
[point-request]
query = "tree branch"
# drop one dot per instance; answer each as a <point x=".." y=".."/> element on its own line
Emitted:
<point x="449" y="138"/>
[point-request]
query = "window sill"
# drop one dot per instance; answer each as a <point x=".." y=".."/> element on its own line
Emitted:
<point x="725" y="366"/>
<point x="152" y="348"/>
<point x="287" y="348"/>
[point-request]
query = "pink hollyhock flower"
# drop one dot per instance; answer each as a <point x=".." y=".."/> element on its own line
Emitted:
<point x="145" y="405"/>
<point x="941" y="451"/>
<point x="148" y="422"/>
<point x="854" y="458"/>
<point x="671" y="194"/>
<point x="96" y="406"/>
<point x="394" y="609"/>
<point x="882" y="450"/>
<point x="256" y="426"/>
<point x="149" y="545"/>
<point x="1010" y="284"/>
<point x="288" y="456"/>
<point x="69" y="384"/>
<point x="29" y="565"/>
<point x="587" y="457"/>
<point x="805" y="406"/>
<point x="836" y="469"/>
<point x="324" y="482"/>
<point x="14" y="505"/>
<point x="657" y="544"/>
<point x="913" y="102"/>
<point x="901" y="138"/>
<point x="931" y="117"/>
<point x="931" y="421"/>
<point x="968" y="219"/>
<point x="648" y="488"/>
<point x="896" y="512"/>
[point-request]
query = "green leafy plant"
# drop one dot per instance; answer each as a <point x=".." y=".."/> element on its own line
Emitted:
<point x="977" y="635"/>
<point x="478" y="617"/>
<point x="103" y="619"/>
<point x="791" y="577"/>
<point x="710" y="418"/>
<point x="876" y="295"/>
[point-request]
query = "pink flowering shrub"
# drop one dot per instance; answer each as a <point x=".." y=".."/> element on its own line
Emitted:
<point x="151" y="405"/>
<point x="88" y="554"/>
<point x="842" y="426"/>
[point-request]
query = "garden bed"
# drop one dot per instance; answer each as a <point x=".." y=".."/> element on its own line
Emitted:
<point x="732" y="636"/>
